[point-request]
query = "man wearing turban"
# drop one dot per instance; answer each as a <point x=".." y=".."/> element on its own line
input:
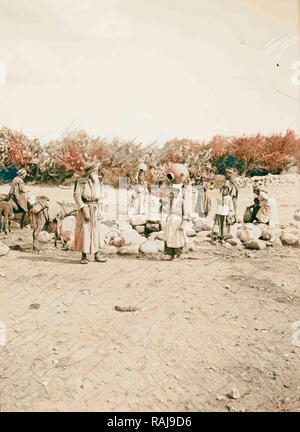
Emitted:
<point x="17" y="194"/>
<point x="87" y="193"/>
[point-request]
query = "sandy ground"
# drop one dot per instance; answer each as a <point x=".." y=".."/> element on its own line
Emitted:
<point x="219" y="318"/>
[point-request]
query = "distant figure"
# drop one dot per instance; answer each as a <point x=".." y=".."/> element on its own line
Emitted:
<point x="140" y="194"/>
<point x="203" y="203"/>
<point x="224" y="217"/>
<point x="17" y="195"/>
<point x="18" y="191"/>
<point x="264" y="210"/>
<point x="87" y="193"/>
<point x="233" y="189"/>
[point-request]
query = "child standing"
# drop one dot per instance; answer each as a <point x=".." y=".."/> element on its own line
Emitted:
<point x="224" y="215"/>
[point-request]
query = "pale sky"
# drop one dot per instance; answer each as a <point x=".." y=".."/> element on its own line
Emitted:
<point x="149" y="69"/>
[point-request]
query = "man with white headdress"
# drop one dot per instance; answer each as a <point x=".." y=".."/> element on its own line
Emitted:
<point x="264" y="210"/>
<point x="18" y="192"/>
<point x="87" y="194"/>
<point x="18" y="196"/>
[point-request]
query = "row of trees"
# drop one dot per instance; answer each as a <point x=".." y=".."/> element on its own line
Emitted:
<point x="59" y="160"/>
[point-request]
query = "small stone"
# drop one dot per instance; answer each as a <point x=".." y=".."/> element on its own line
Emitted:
<point x="44" y="237"/>
<point x="276" y="242"/>
<point x="297" y="215"/>
<point x="126" y="308"/>
<point x="138" y="220"/>
<point x="255" y="244"/>
<point x="231" y="408"/>
<point x="221" y="398"/>
<point x="149" y="247"/>
<point x="160" y="235"/>
<point x="140" y="229"/>
<point x="34" y="306"/>
<point x="206" y="226"/>
<point x="109" y="250"/>
<point x="161" y="245"/>
<point x="121" y="241"/>
<point x="190" y="232"/>
<point x="198" y="225"/>
<point x="117" y="241"/>
<point x="129" y="250"/>
<point x="244" y="236"/>
<point x="234" y="393"/>
<point x="4" y="250"/>
<point x="288" y="238"/>
<point x="85" y="292"/>
<point x="266" y="235"/>
<point x="234" y="242"/>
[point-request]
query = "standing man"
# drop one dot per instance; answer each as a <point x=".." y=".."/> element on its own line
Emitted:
<point x="87" y="193"/>
<point x="233" y="189"/>
<point x="18" y="196"/>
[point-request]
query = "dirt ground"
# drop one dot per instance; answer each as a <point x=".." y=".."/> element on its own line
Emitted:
<point x="217" y="319"/>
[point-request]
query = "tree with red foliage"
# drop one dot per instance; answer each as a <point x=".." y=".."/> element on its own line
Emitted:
<point x="97" y="150"/>
<point x="193" y="154"/>
<point x="279" y="152"/>
<point x="71" y="159"/>
<point x="248" y="150"/>
<point x="21" y="150"/>
<point x="180" y="150"/>
<point x="112" y="175"/>
<point x="219" y="146"/>
<point x="59" y="159"/>
<point x="68" y="154"/>
<point x="274" y="153"/>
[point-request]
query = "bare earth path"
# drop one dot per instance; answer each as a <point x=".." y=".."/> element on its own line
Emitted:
<point x="203" y="326"/>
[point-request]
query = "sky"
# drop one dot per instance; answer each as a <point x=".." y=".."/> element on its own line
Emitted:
<point x="149" y="70"/>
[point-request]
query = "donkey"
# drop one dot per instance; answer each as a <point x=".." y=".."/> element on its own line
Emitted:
<point x="47" y="215"/>
<point x="22" y="216"/>
<point x="6" y="214"/>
